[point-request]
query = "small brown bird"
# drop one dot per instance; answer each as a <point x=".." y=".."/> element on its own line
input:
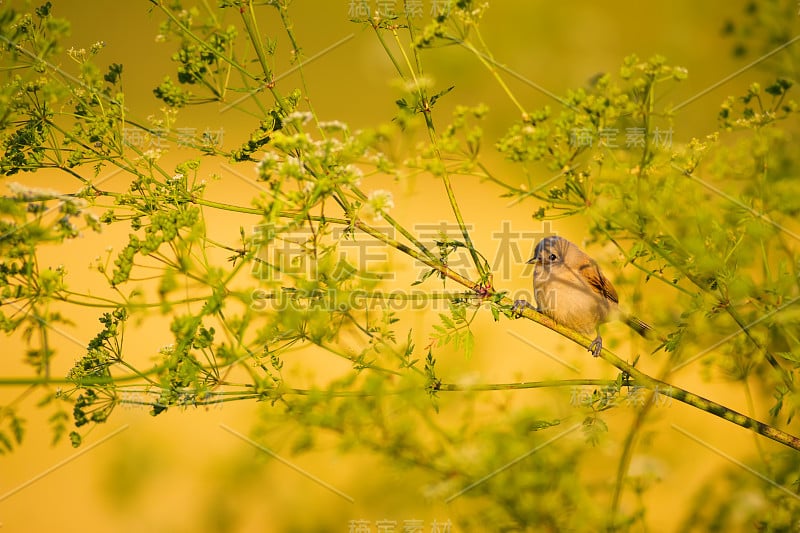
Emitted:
<point x="569" y="287"/>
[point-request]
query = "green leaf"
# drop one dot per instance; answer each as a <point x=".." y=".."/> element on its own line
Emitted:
<point x="440" y="94"/>
<point x="790" y="356"/>
<point x="448" y="322"/>
<point x="5" y="443"/>
<point x="780" y="87"/>
<point x="303" y="443"/>
<point x="593" y="429"/>
<point x="43" y="11"/>
<point x="18" y="429"/>
<point x="459" y="313"/>
<point x="425" y="275"/>
<point x="469" y="344"/>
<point x="114" y="73"/>
<point x="538" y="425"/>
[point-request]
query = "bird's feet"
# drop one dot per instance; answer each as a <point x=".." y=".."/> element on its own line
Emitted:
<point x="519" y="306"/>
<point x="596" y="346"/>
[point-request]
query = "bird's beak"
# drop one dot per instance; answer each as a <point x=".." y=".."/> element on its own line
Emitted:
<point x="532" y="261"/>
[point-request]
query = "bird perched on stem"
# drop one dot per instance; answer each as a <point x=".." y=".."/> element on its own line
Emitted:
<point x="569" y="287"/>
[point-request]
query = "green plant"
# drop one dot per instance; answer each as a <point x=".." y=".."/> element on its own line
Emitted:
<point x="238" y="307"/>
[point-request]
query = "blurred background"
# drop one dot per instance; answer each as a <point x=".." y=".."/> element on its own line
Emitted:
<point x="193" y="469"/>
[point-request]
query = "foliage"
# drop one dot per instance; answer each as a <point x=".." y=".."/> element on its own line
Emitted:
<point x="238" y="309"/>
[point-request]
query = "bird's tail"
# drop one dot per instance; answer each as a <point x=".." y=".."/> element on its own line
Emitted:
<point x="642" y="328"/>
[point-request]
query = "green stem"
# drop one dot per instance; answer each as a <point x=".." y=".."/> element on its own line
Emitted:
<point x="188" y="31"/>
<point x="488" y="62"/>
<point x="397" y="226"/>
<point x="452" y="387"/>
<point x="249" y="19"/>
<point x="388" y="51"/>
<point x="667" y="389"/>
<point x="641" y="378"/>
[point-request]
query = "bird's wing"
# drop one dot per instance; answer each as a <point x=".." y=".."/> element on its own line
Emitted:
<point x="597" y="281"/>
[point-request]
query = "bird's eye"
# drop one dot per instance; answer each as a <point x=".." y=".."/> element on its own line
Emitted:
<point x="553" y="257"/>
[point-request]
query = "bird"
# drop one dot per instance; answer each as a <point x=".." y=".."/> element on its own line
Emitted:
<point x="570" y="288"/>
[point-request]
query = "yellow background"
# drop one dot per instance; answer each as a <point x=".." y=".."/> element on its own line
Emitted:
<point x="181" y="471"/>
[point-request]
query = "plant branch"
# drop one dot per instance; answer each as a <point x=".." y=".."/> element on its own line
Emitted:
<point x="668" y="389"/>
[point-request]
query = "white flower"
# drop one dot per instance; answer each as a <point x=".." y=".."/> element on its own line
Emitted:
<point x="647" y="466"/>
<point x="78" y="55"/>
<point x="151" y="155"/>
<point x="97" y="46"/>
<point x="33" y="193"/>
<point x="36" y="194"/>
<point x="378" y="203"/>
<point x="301" y="117"/>
<point x="381" y="199"/>
<point x="328" y="149"/>
<point x="267" y="165"/>
<point x="333" y="125"/>
<point x="354" y="174"/>
<point x="293" y="167"/>
<point x="167" y="349"/>
<point x="80" y="203"/>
